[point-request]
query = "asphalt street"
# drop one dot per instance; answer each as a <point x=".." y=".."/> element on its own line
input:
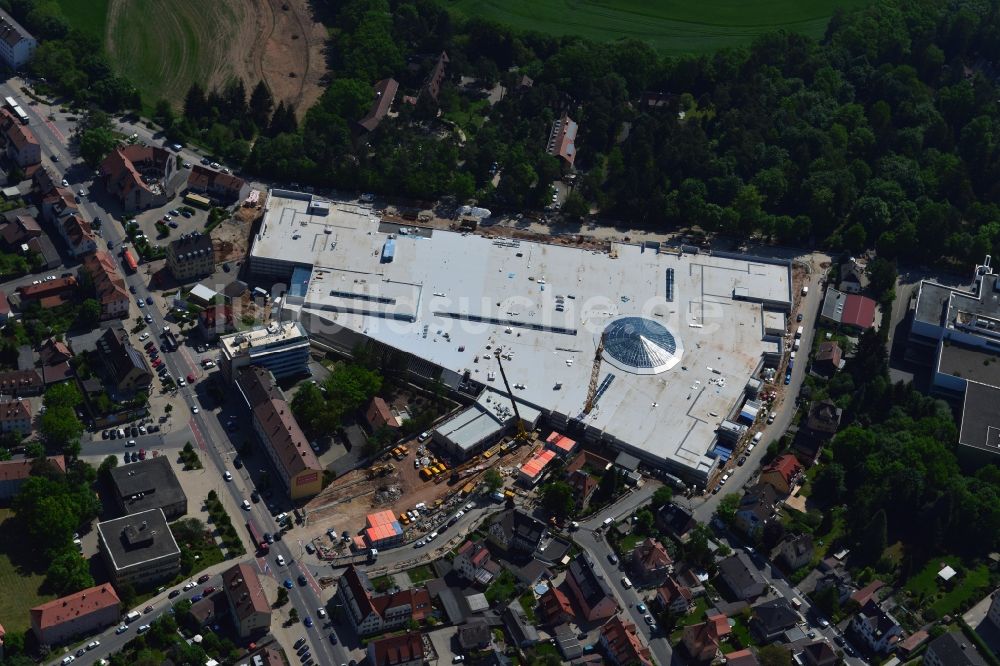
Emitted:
<point x="204" y="425"/>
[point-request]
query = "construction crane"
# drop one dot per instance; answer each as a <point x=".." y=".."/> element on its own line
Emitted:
<point x="595" y="372"/>
<point x="522" y="434"/>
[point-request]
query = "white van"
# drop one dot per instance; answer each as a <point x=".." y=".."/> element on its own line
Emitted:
<point x="626" y="583"/>
<point x="805" y="291"/>
<point x="607" y="522"/>
<point x="756" y="439"/>
<point x="132" y="617"/>
<point x="725" y="477"/>
<point x="799" y="331"/>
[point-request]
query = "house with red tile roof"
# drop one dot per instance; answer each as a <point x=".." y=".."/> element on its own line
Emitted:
<point x="403" y="650"/>
<point x="379" y="415"/>
<point x="15" y="416"/>
<point x="248" y="604"/>
<point x="590" y="589"/>
<point x="20" y="383"/>
<point x="674" y="597"/>
<point x="13" y="473"/>
<point x="79" y="614"/>
<point x="472" y="563"/>
<point x="224" y="187"/>
<point x="139" y="176"/>
<point x="651" y="561"/>
<point x="703" y="641"/>
<point x="556" y="606"/>
<point x="562" y="139"/>
<point x="79" y="237"/>
<point x="61" y="288"/>
<point x="20" y="143"/>
<point x="867" y="593"/>
<point x="622" y="644"/>
<point x="370" y="613"/>
<point x="109" y="285"/>
<point x="782" y="473"/>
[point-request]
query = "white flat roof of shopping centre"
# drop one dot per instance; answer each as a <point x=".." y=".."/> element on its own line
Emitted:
<point x="454" y="299"/>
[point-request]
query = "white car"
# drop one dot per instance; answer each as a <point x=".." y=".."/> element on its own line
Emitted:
<point x="50" y="277"/>
<point x="280" y="560"/>
<point x="67" y="659"/>
<point x="36" y="282"/>
<point x="469" y="506"/>
<point x="142" y="629"/>
<point x="246" y="505"/>
<point x="65" y="183"/>
<point x="194" y="410"/>
<point x="121" y="630"/>
<point x="92" y="644"/>
<point x="144" y="336"/>
<point x="321" y="611"/>
<point x="227" y="476"/>
<point x="181" y="382"/>
<point x="208" y="363"/>
<point x="189" y="585"/>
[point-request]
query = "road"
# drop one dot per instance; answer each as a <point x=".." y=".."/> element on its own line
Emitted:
<point x="704" y="508"/>
<point x="204" y="424"/>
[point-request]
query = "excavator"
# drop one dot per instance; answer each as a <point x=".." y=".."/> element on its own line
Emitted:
<point x="521" y="436"/>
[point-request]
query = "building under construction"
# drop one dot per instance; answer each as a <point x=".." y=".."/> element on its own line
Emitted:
<point x="645" y="348"/>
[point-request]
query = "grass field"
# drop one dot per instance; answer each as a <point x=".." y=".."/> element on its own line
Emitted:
<point x="669" y="26"/>
<point x="929" y="593"/>
<point x="89" y="16"/>
<point x="18" y="580"/>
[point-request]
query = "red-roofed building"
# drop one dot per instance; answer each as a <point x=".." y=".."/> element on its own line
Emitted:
<point x="622" y="644"/>
<point x="782" y="473"/>
<point x="403" y="650"/>
<point x="556" y="606"/>
<point x="138" y="176"/>
<point x="13" y="474"/>
<point x="223" y="187"/>
<point x="859" y="312"/>
<point x="60" y="287"/>
<point x="651" y="560"/>
<point x="583" y="486"/>
<point x="247" y="603"/>
<point x="562" y="139"/>
<point x="472" y="563"/>
<point x="561" y="444"/>
<point x="531" y="472"/>
<point x="674" y="597"/>
<point x="744" y="657"/>
<point x="20" y="143"/>
<point x="702" y="641"/>
<point x="108" y="284"/>
<point x="867" y="593"/>
<point x="21" y="383"/>
<point x="216" y="320"/>
<point x="379" y="415"/>
<point x="76" y="231"/>
<point x="370" y="614"/>
<point x="82" y="613"/>
<point x="437" y="75"/>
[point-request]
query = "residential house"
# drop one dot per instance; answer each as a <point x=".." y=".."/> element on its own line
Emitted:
<point x="562" y="139"/>
<point x="829" y="358"/>
<point x="13" y="473"/>
<point x="82" y="613"/>
<point x="15" y="416"/>
<point x="21" y="383"/>
<point x="223" y="187"/>
<point x="756" y="507"/>
<point x="823" y="420"/>
<point x="379" y="415"/>
<point x="782" y="473"/>
<point x="867" y="593"/>
<point x="19" y="227"/>
<point x="556" y="607"/>
<point x="216" y="320"/>
<point x="79" y="237"/>
<point x="622" y="644"/>
<point x="515" y="531"/>
<point x="703" y="641"/>
<point x="139" y="549"/>
<point x="54" y="352"/>
<point x="472" y="563"/>
<point x="522" y="631"/>
<point x="651" y="561"/>
<point x="878" y="629"/>
<point x="818" y="653"/>
<point x="796" y="550"/>
<point x="21" y="146"/>
<point x="853" y="277"/>
<point x="674" y="597"/>
<point x="403" y="650"/>
<point x="17" y="45"/>
<point x="953" y="649"/>
<point x="740" y="575"/>
<point x="248" y="604"/>
<point x="384" y="94"/>
<point x="278" y="431"/>
<point x="370" y="613"/>
<point x="851" y="311"/>
<point x="583" y="486"/>
<point x="126" y="369"/>
<point x="50" y="293"/>
<point x="139" y="177"/>
<point x="475" y="635"/>
<point x="773" y="618"/>
<point x="109" y="285"/>
<point x="840" y="580"/>
<point x="744" y="657"/>
<point x="432" y="87"/>
<point x="909" y="645"/>
<point x="191" y="256"/>
<point x="590" y="589"/>
<point x="676" y="520"/>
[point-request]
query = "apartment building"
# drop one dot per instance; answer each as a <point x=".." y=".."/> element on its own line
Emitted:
<point x="191" y="256"/>
<point x="17" y="45"/>
<point x="139" y="549"/>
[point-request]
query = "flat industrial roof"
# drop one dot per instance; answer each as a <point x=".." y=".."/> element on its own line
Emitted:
<point x="454" y="299"/>
<point x="151" y="525"/>
<point x="977" y="365"/>
<point x="980" y="420"/>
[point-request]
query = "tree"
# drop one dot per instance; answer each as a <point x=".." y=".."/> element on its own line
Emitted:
<point x="726" y="510"/>
<point x="493" y="479"/>
<point x="575" y="206"/>
<point x="90" y="313"/>
<point x="68" y="572"/>
<point x="830" y="484"/>
<point x="774" y="655"/>
<point x="261" y="105"/>
<point x="607" y="487"/>
<point x="293" y="615"/>
<point x="96" y="144"/>
<point x="874" y="538"/>
<point x="644" y="521"/>
<point x="60" y="427"/>
<point x="282" y="598"/>
<point x="558" y="500"/>
<point x="108" y="464"/>
<point x="663" y="495"/>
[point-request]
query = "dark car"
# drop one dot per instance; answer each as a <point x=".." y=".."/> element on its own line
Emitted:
<point x="226" y="267"/>
<point x="333" y="639"/>
<point x="196" y="598"/>
<point x="208" y="590"/>
<point x="302" y="579"/>
<point x="203" y="579"/>
<point x="173" y="593"/>
<point x="237" y="463"/>
<point x="105" y="434"/>
<point x="135" y="457"/>
<point x="111" y="245"/>
<point x="142" y="454"/>
<point x="149" y="300"/>
<point x="798" y="317"/>
<point x="134" y="431"/>
<point x="288" y="583"/>
<point x="131" y="288"/>
<point x="173" y="225"/>
<point x="308" y="621"/>
<point x="612" y="558"/>
<point x="125" y="456"/>
<point x="268" y="538"/>
<point x="255" y="496"/>
<point x="739" y="463"/>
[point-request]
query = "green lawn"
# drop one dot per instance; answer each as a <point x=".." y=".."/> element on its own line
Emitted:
<point x="927" y="592"/>
<point x="669" y="26"/>
<point x="21" y="575"/>
<point x="528" y="604"/>
<point x="501" y="589"/>
<point x="88" y="16"/>
<point x="420" y="574"/>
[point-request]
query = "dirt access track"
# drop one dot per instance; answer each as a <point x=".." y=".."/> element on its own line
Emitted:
<point x="164" y="47"/>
